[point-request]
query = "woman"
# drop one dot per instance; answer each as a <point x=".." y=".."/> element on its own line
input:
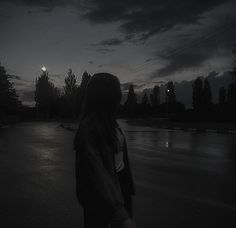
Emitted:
<point x="104" y="184"/>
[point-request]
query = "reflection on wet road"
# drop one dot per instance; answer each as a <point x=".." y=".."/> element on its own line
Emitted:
<point x="182" y="178"/>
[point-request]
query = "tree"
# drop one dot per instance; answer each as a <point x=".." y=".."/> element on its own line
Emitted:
<point x="231" y="94"/>
<point x="144" y="107"/>
<point x="233" y="73"/>
<point x="206" y="95"/>
<point x="9" y="101"/>
<point x="155" y="96"/>
<point x="144" y="99"/>
<point x="170" y="93"/>
<point x="80" y="94"/>
<point x="222" y="96"/>
<point x="197" y="94"/>
<point x="84" y="82"/>
<point x="70" y="85"/>
<point x="70" y="90"/>
<point x="45" y="95"/>
<point x="131" y="101"/>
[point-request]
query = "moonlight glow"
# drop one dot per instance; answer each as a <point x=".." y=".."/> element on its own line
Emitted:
<point x="43" y="68"/>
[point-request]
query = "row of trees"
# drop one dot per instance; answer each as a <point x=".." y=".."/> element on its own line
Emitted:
<point x="201" y="99"/>
<point x="67" y="102"/>
<point x="151" y="104"/>
<point x="9" y="102"/>
<point x="202" y="95"/>
<point x="51" y="102"/>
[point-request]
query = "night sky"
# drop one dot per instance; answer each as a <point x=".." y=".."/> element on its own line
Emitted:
<point x="145" y="42"/>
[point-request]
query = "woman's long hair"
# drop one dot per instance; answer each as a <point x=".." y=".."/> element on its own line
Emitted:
<point x="102" y="98"/>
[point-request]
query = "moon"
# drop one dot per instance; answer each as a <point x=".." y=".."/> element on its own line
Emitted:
<point x="44" y="68"/>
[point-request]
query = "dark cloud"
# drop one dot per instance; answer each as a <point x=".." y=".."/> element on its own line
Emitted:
<point x="57" y="76"/>
<point x="29" y="12"/>
<point x="18" y="81"/>
<point x="46" y="5"/>
<point x="19" y="84"/>
<point x="4" y="17"/>
<point x="158" y="82"/>
<point x="199" y="49"/>
<point x="111" y="42"/>
<point x="104" y="50"/>
<point x="147" y="17"/>
<point x="125" y="86"/>
<point x="12" y="76"/>
<point x="177" y="64"/>
<point x="142" y="19"/>
<point x="137" y="17"/>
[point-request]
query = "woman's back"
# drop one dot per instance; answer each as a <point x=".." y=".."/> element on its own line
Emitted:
<point x="103" y="190"/>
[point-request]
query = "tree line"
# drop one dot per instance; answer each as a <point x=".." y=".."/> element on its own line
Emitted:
<point x="9" y="101"/>
<point x="51" y="102"/>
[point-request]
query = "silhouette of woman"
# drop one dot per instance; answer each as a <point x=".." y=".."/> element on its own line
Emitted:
<point x="104" y="184"/>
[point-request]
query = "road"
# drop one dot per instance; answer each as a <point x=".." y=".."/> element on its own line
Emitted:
<point x="182" y="179"/>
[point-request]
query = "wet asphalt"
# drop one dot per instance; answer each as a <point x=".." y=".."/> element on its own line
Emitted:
<point x="182" y="179"/>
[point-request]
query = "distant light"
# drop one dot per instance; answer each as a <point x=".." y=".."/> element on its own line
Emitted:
<point x="44" y="68"/>
<point x="168" y="90"/>
<point x="167" y="144"/>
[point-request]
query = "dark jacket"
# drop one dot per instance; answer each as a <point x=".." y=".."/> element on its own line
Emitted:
<point x="97" y="184"/>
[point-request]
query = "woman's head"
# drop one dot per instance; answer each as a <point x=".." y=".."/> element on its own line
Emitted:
<point x="102" y="97"/>
<point x="103" y="94"/>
